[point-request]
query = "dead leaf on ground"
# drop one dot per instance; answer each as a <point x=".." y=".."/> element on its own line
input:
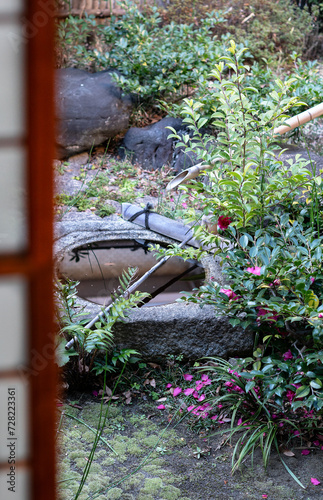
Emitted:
<point x="288" y="453"/>
<point x="154" y="365"/>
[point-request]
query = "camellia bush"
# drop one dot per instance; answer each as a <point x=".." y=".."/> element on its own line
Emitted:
<point x="267" y="230"/>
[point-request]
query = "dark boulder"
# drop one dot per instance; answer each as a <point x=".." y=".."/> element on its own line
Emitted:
<point x="90" y="109"/>
<point x="149" y="146"/>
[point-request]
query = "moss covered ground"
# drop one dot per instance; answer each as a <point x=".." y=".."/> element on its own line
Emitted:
<point x="183" y="465"/>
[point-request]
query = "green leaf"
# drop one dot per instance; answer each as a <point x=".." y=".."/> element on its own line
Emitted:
<point x="243" y="241"/>
<point x="316" y="384"/>
<point x="250" y="385"/>
<point x="302" y="391"/>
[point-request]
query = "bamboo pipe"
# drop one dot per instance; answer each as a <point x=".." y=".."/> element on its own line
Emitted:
<point x="290" y="124"/>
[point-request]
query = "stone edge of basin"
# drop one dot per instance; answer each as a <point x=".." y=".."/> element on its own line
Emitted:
<point x="185" y="329"/>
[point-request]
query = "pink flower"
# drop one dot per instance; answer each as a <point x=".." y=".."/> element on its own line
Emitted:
<point x="315" y="481"/>
<point x="190" y="408"/>
<point x="254" y="270"/>
<point x="204" y="377"/>
<point x="168" y="386"/>
<point x="306" y="452"/>
<point x="316" y="443"/>
<point x="296" y="433"/>
<point x="263" y="312"/>
<point x="188" y="377"/>
<point x="184" y="205"/>
<point x="195" y="395"/>
<point x="205" y="415"/>
<point x="161" y="407"/>
<point x="320" y="315"/>
<point x="288" y="355"/>
<point x="202" y="397"/>
<point x="290" y="396"/>
<point x="312" y="279"/>
<point x="224" y="222"/>
<point x="177" y="391"/>
<point x="215" y="417"/>
<point x="229" y="293"/>
<point x="189" y="391"/>
<point x="199" y="386"/>
<point x="239" y="421"/>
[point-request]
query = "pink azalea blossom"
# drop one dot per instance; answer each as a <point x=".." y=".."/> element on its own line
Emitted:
<point x="288" y="355"/>
<point x="229" y="293"/>
<point x="188" y="377"/>
<point x="177" y="391"/>
<point x="168" y="386"/>
<point x="306" y="452"/>
<point x="189" y="391"/>
<point x="161" y="407"/>
<point x="254" y="270"/>
<point x="224" y="222"/>
<point x="315" y="481"/>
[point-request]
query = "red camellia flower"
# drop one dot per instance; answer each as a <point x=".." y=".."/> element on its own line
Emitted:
<point x="224" y="222"/>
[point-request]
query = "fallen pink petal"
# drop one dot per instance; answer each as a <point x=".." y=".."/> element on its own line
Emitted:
<point x="306" y="452"/>
<point x="177" y="391"/>
<point x="315" y="481"/>
<point x="168" y="386"/>
<point x="161" y="407"/>
<point x="190" y="408"/>
<point x="188" y="377"/>
<point x="254" y="270"/>
<point x="189" y="391"/>
<point x="202" y="397"/>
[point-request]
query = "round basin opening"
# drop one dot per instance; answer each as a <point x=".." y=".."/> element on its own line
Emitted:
<point x="98" y="266"/>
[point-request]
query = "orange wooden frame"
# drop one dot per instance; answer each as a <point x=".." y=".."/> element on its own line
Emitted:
<point x="36" y="264"/>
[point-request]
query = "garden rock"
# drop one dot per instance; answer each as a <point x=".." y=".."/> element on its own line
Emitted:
<point x="292" y="151"/>
<point x="90" y="109"/>
<point x="149" y="146"/>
